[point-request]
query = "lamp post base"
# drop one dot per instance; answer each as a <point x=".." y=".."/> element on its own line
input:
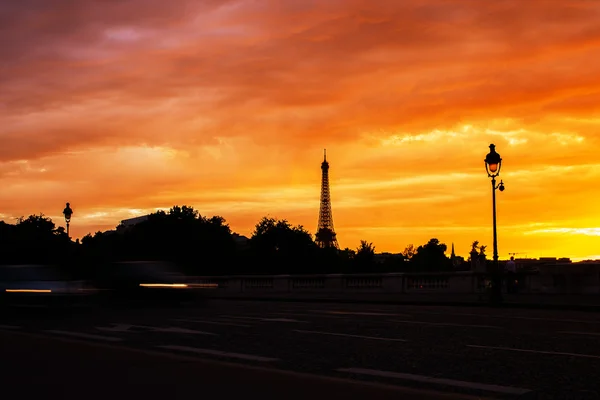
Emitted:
<point x="496" y="294"/>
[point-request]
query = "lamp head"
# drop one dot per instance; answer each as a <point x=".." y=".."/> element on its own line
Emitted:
<point x="493" y="162"/>
<point x="68" y="212"/>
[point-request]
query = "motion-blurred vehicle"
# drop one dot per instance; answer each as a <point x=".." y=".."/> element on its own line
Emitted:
<point x="41" y="285"/>
<point x="143" y="282"/>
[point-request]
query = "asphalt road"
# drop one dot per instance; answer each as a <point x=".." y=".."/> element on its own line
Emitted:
<point x="475" y="351"/>
<point x="40" y="367"/>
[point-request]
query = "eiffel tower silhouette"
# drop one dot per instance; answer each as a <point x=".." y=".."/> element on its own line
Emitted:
<point x="325" y="236"/>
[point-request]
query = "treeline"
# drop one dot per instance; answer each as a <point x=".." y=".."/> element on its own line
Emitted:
<point x="206" y="246"/>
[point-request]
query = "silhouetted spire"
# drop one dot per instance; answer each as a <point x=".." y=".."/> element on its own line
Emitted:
<point x="325" y="236"/>
<point x="324" y="164"/>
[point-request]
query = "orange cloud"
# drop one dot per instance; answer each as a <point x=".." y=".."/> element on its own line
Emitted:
<point x="125" y="107"/>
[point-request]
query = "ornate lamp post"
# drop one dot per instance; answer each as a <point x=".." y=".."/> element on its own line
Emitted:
<point x="68" y="212"/>
<point x="493" y="163"/>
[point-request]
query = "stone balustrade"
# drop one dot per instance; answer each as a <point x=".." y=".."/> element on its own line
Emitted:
<point x="398" y="283"/>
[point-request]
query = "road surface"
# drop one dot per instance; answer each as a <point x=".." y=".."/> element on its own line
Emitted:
<point x="472" y="351"/>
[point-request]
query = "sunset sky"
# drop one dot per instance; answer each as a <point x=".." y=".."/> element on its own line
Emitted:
<point x="124" y="107"/>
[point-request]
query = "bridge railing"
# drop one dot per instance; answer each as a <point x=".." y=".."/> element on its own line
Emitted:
<point x="454" y="282"/>
<point x="397" y="283"/>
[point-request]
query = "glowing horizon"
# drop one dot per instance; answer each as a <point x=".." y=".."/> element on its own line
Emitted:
<point x="225" y="106"/>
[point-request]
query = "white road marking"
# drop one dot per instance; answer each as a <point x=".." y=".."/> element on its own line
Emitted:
<point x="552" y="353"/>
<point x="281" y="320"/>
<point x="294" y="314"/>
<point x="360" y="313"/>
<point x="174" y="329"/>
<point x="86" y="336"/>
<point x="265" y="319"/>
<point x="352" y="336"/>
<point x="236" y="317"/>
<point x="580" y="333"/>
<point x="9" y="327"/>
<point x="169" y="329"/>
<point x="117" y="328"/>
<point x="379" y="310"/>
<point x="439" y="381"/>
<point x="218" y="353"/>
<point x="510" y="317"/>
<point x="200" y="321"/>
<point x="445" y="324"/>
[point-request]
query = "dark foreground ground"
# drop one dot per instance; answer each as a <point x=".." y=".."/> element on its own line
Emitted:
<point x="501" y="353"/>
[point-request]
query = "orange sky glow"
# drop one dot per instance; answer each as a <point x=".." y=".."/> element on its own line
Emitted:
<point x="125" y="107"/>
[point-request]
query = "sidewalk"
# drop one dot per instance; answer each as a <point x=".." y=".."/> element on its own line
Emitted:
<point x="531" y="301"/>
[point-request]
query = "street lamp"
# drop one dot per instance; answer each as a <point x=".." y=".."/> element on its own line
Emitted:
<point x="493" y="164"/>
<point x="68" y="212"/>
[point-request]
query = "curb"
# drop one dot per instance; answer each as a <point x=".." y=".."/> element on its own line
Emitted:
<point x="532" y="306"/>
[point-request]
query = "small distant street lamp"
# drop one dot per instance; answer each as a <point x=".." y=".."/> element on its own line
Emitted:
<point x="493" y="163"/>
<point x="68" y="212"/>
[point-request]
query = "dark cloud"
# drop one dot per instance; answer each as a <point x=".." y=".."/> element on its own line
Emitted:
<point x="308" y="70"/>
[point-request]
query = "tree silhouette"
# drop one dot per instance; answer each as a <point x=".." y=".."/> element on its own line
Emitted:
<point x="431" y="257"/>
<point x="281" y="247"/>
<point x="364" y="259"/>
<point x="180" y="235"/>
<point x="409" y="251"/>
<point x="325" y="235"/>
<point x="365" y="249"/>
<point x="183" y="213"/>
<point x="204" y="245"/>
<point x="34" y="239"/>
<point x="183" y="236"/>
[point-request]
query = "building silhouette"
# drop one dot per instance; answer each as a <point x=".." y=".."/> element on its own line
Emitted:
<point x="131" y="222"/>
<point x="325" y="236"/>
